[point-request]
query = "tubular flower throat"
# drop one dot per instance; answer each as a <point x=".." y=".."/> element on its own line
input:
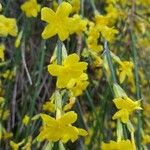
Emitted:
<point x="125" y="69"/>
<point x="60" y="129"/>
<point x="71" y="69"/>
<point x="2" y="49"/>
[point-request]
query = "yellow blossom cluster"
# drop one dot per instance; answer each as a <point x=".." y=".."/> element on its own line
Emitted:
<point x="60" y="23"/>
<point x="97" y="51"/>
<point x="60" y="129"/>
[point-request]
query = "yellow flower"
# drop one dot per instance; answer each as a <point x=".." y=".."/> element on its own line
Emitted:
<point x="4" y="134"/>
<point x="4" y="114"/>
<point x="125" y="69"/>
<point x="101" y="20"/>
<point x="146" y="139"/>
<point x="55" y="5"/>
<point x="8" y="74"/>
<point x="28" y="145"/>
<point x="7" y="135"/>
<point x="71" y="68"/>
<point x="68" y="106"/>
<point x="102" y="23"/>
<point x="114" y="14"/>
<point x="146" y="108"/>
<point x="18" y="39"/>
<point x="15" y="146"/>
<point x="121" y="145"/>
<point x="79" y="25"/>
<point x="8" y="26"/>
<point x="97" y="60"/>
<point x="60" y="129"/>
<point x="75" y="6"/>
<point x="77" y="86"/>
<point x="108" y="33"/>
<point x="25" y="120"/>
<point x="2" y="49"/>
<point x="31" y="8"/>
<point x="2" y="100"/>
<point x="58" y="23"/>
<point x="49" y="106"/>
<point x="93" y="37"/>
<point x="126" y="106"/>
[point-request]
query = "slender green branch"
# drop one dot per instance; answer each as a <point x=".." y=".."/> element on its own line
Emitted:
<point x="110" y="63"/>
<point x="59" y="52"/>
<point x="138" y="90"/>
<point x="93" y="5"/>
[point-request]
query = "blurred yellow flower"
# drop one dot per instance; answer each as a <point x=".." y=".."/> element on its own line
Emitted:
<point x="18" y="39"/>
<point x="146" y="139"/>
<point x="71" y="69"/>
<point x="28" y="145"/>
<point x="126" y="107"/>
<point x="78" y="85"/>
<point x="93" y="37"/>
<point x="68" y="106"/>
<point x="8" y="26"/>
<point x="7" y="135"/>
<point x="2" y="49"/>
<point x="2" y="99"/>
<point x="120" y="145"/>
<point x="31" y="8"/>
<point x="25" y="120"/>
<point x="108" y="33"/>
<point x="101" y="20"/>
<point x="49" y="106"/>
<point x="75" y="6"/>
<point x="8" y="74"/>
<point x="15" y="146"/>
<point x="125" y="69"/>
<point x="4" y="114"/>
<point x="79" y="25"/>
<point x="60" y="129"/>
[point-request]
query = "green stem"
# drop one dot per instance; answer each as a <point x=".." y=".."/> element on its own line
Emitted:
<point x="59" y="2"/>
<point x="110" y="63"/>
<point x="93" y="5"/>
<point x="36" y="92"/>
<point x="82" y="8"/>
<point x="59" y="52"/>
<point x="138" y="90"/>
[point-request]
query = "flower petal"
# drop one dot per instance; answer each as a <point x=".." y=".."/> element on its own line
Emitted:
<point x="64" y="9"/>
<point x="47" y="14"/>
<point x="63" y="34"/>
<point x="48" y="120"/>
<point x="54" y="69"/>
<point x="49" y="31"/>
<point x="68" y="118"/>
<point x="71" y="59"/>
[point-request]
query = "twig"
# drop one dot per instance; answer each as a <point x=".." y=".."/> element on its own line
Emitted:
<point x="24" y="62"/>
<point x="14" y="101"/>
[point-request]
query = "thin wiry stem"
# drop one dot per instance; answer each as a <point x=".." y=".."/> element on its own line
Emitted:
<point x="24" y="62"/>
<point x="110" y="63"/>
